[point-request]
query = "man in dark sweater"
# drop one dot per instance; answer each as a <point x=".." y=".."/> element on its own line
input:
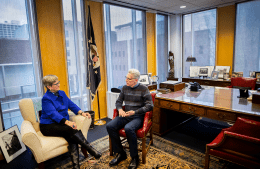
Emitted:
<point x="138" y="101"/>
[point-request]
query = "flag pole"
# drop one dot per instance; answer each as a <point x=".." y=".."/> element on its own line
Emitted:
<point x="99" y="122"/>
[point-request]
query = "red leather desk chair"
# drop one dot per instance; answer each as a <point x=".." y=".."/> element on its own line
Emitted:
<point x="243" y="82"/>
<point x="239" y="144"/>
<point x="140" y="133"/>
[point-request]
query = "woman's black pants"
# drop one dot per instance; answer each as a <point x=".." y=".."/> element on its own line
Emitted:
<point x="58" y="130"/>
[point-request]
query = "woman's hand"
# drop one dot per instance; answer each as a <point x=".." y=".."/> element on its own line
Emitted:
<point x="71" y="124"/>
<point x="86" y="115"/>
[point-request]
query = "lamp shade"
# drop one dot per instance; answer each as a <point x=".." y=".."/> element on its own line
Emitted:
<point x="191" y="59"/>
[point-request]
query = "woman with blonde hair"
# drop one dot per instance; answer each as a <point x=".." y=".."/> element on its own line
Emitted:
<point x="54" y="120"/>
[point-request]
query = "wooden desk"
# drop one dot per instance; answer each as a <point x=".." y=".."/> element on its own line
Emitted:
<point x="212" y="102"/>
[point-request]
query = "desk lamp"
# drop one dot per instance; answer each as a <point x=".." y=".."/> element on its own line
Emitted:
<point x="191" y="59"/>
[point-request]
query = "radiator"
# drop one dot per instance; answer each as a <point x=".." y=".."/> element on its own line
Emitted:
<point x="111" y="101"/>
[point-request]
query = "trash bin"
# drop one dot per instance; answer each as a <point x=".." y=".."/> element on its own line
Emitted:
<point x="92" y="114"/>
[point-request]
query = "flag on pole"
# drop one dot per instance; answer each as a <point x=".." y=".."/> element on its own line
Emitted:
<point x="93" y="63"/>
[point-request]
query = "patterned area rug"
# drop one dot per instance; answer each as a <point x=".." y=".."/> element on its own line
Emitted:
<point x="163" y="154"/>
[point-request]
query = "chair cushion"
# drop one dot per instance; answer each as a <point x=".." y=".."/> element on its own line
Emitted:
<point x="51" y="143"/>
<point x="253" y="163"/>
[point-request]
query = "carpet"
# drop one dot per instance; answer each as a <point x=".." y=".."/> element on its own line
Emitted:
<point x="163" y="154"/>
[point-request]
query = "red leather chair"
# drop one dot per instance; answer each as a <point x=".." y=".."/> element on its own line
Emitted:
<point x="239" y="144"/>
<point x="243" y="82"/>
<point x="140" y="133"/>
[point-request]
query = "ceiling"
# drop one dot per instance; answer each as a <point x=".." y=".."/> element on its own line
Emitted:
<point x="171" y="7"/>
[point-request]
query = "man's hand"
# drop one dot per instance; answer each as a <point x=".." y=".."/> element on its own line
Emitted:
<point x="130" y="113"/>
<point x="71" y="124"/>
<point x="122" y="113"/>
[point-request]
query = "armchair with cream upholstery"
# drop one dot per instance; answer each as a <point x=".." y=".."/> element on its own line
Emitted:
<point x="42" y="147"/>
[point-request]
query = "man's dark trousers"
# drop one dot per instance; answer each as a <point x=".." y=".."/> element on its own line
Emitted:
<point x="130" y="125"/>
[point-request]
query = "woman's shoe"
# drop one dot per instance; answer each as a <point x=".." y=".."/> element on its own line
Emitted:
<point x="74" y="154"/>
<point x="80" y="139"/>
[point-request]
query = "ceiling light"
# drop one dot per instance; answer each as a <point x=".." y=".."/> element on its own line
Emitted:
<point x="183" y="6"/>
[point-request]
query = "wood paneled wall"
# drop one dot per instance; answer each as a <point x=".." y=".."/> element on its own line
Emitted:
<point x="52" y="40"/>
<point x="151" y="42"/>
<point x="225" y="36"/>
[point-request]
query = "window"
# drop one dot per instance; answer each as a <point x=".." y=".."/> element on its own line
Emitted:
<point x="19" y="63"/>
<point x="124" y="31"/>
<point x="75" y="21"/>
<point x="247" y="38"/>
<point x="199" y="39"/>
<point x="162" y="47"/>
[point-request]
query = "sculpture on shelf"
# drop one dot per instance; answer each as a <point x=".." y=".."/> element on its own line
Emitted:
<point x="171" y="62"/>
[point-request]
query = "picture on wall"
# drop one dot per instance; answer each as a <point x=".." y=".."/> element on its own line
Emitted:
<point x="144" y="79"/>
<point x="11" y="143"/>
<point x="222" y="70"/>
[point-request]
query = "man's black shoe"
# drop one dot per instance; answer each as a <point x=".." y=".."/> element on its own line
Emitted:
<point x="134" y="163"/>
<point x="120" y="157"/>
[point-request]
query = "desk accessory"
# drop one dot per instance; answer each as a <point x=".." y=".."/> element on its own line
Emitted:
<point x="164" y="90"/>
<point x="256" y="98"/>
<point x="244" y="92"/>
<point x="172" y="85"/>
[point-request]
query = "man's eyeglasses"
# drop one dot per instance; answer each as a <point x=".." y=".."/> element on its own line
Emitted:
<point x="56" y="83"/>
<point x="128" y="78"/>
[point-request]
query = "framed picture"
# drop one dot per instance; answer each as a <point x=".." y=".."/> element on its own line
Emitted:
<point x="226" y="76"/>
<point x="252" y="74"/>
<point x="203" y="71"/>
<point x="240" y="74"/>
<point x="11" y="143"/>
<point x="257" y="76"/>
<point x="214" y="75"/>
<point x="144" y="79"/>
<point x="222" y="70"/>
<point x="194" y="71"/>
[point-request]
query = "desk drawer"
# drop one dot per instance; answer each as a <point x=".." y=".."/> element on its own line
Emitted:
<point x="169" y="105"/>
<point x="221" y="115"/>
<point x="193" y="109"/>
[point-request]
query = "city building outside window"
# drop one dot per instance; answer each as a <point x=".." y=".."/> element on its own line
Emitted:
<point x="74" y="21"/>
<point x="20" y="68"/>
<point x="247" y="38"/>
<point x="199" y="39"/>
<point x="125" y="33"/>
<point x="162" y="47"/>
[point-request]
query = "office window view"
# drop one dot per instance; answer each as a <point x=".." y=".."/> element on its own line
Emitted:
<point x="125" y="43"/>
<point x="162" y="47"/>
<point x="74" y="21"/>
<point x="247" y="38"/>
<point x="199" y="39"/>
<point x="19" y="63"/>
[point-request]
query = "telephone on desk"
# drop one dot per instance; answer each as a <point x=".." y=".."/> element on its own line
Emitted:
<point x="195" y="86"/>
